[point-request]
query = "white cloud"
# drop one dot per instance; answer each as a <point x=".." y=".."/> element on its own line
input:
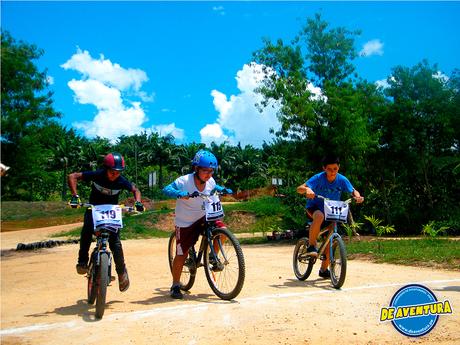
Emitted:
<point x="114" y="122"/>
<point x="373" y="47"/>
<point x="171" y="128"/>
<point x="104" y="85"/>
<point x="441" y="76"/>
<point x="219" y="9"/>
<point x="382" y="83"/>
<point x="239" y="120"/>
<point x="50" y="80"/>
<point x="316" y="93"/>
<point x="105" y="71"/>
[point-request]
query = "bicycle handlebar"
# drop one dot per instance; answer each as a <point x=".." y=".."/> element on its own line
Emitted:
<point x="348" y="201"/>
<point x="123" y="207"/>
<point x="196" y="194"/>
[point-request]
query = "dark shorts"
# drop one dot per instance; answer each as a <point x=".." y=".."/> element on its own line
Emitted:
<point x="318" y="204"/>
<point x="186" y="237"/>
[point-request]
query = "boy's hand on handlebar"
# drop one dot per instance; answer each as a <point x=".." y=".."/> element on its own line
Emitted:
<point x="310" y="194"/>
<point x="139" y="206"/>
<point x="75" y="201"/>
<point x="358" y="199"/>
<point x="183" y="195"/>
<point x="195" y="194"/>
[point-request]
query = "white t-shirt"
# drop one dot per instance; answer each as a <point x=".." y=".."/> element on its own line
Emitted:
<point x="189" y="211"/>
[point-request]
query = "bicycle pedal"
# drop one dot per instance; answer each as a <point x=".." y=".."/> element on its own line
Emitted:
<point x="322" y="257"/>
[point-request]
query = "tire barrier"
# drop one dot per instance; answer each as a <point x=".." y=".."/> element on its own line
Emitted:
<point x="43" y="244"/>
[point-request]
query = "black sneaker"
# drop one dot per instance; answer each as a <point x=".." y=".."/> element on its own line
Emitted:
<point x="175" y="292"/>
<point x="216" y="265"/>
<point x="312" y="251"/>
<point x="324" y="274"/>
<point x="82" y="268"/>
<point x="123" y="281"/>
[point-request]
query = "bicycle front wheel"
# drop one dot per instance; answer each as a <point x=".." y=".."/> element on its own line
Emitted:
<point x="187" y="277"/>
<point x="102" y="283"/>
<point x="226" y="274"/>
<point x="301" y="262"/>
<point x="338" y="266"/>
<point x="92" y="284"/>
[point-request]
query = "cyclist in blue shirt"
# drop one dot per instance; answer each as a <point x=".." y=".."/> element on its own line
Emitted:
<point x="329" y="184"/>
<point x="107" y="183"/>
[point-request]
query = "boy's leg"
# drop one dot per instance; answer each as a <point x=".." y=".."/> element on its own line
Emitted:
<point x="119" y="258"/>
<point x="315" y="227"/>
<point x="85" y="242"/>
<point x="186" y="237"/>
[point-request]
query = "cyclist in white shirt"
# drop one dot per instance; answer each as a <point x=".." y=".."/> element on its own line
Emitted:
<point x="190" y="215"/>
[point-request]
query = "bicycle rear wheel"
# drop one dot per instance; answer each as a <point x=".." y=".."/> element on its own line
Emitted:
<point x="92" y="285"/>
<point x="102" y="283"/>
<point x="301" y="262"/>
<point x="187" y="277"/>
<point x="338" y="265"/>
<point x="226" y="276"/>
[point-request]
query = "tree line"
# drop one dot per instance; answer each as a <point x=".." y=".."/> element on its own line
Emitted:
<point x="399" y="144"/>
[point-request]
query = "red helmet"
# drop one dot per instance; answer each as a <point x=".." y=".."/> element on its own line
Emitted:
<point x="114" y="161"/>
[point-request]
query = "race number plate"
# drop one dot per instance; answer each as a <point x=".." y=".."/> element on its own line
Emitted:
<point x="108" y="216"/>
<point x="336" y="211"/>
<point x="213" y="208"/>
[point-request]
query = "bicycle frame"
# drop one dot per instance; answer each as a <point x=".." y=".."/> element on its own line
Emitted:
<point x="206" y="237"/>
<point x="331" y="229"/>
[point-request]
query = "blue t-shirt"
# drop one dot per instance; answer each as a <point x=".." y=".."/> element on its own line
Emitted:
<point x="330" y="190"/>
<point x="104" y="191"/>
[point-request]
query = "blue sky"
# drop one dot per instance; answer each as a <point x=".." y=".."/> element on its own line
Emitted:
<point x="185" y="67"/>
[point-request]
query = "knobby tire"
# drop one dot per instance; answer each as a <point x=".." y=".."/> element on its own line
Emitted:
<point x="228" y="282"/>
<point x="102" y="283"/>
<point x="338" y="265"/>
<point x="301" y="263"/>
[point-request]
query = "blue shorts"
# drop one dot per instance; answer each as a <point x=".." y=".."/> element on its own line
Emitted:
<point x="315" y="205"/>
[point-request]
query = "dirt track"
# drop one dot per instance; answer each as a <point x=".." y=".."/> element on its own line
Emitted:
<point x="43" y="301"/>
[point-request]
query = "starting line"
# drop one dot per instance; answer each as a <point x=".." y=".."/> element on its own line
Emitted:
<point x="136" y="315"/>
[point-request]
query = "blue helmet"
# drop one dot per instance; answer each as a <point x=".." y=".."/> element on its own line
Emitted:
<point x="205" y="159"/>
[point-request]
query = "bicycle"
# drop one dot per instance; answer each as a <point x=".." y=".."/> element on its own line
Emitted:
<point x="106" y="219"/>
<point x="219" y="253"/>
<point x="335" y="212"/>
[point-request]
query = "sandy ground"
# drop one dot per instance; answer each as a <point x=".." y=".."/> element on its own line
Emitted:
<point x="43" y="301"/>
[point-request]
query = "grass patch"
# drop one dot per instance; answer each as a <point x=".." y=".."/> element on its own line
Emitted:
<point x="18" y="215"/>
<point x="134" y="227"/>
<point x="437" y="252"/>
<point x="266" y="213"/>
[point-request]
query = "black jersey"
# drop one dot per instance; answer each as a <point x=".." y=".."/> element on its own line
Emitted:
<point x="104" y="191"/>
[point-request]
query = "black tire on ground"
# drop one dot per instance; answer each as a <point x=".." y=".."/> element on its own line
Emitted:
<point x="103" y="280"/>
<point x="92" y="285"/>
<point x="187" y="277"/>
<point x="301" y="263"/>
<point x="227" y="282"/>
<point x="338" y="265"/>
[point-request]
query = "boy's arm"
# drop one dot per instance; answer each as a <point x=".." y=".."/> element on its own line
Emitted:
<point x="72" y="182"/>
<point x="172" y="191"/>
<point x="136" y="193"/>
<point x="221" y="189"/>
<point x="305" y="190"/>
<point x="359" y="199"/>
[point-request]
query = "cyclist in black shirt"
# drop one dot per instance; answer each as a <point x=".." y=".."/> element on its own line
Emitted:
<point x="107" y="183"/>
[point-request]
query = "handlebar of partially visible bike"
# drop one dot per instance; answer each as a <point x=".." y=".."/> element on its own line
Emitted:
<point x="123" y="207"/>
<point x="348" y="201"/>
